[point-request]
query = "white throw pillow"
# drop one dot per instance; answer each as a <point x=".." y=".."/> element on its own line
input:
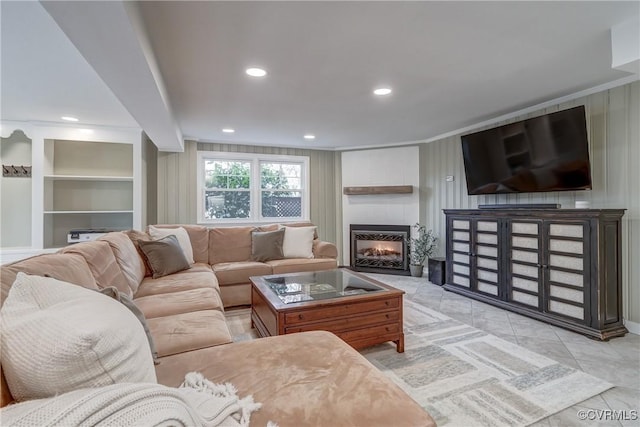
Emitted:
<point x="180" y="233"/>
<point x="298" y="242"/>
<point x="58" y="337"/>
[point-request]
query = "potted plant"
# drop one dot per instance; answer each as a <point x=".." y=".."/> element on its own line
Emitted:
<point x="423" y="245"/>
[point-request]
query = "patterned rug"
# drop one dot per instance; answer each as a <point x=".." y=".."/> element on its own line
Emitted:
<point x="466" y="377"/>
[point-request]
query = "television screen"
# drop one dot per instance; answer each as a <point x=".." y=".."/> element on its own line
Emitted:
<point x="546" y="153"/>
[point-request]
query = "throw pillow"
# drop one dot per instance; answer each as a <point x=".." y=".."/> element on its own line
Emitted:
<point x="165" y="256"/>
<point x="180" y="233"/>
<point x="137" y="236"/>
<point x="298" y="242"/>
<point x="125" y="300"/>
<point x="58" y="337"/>
<point x="266" y="245"/>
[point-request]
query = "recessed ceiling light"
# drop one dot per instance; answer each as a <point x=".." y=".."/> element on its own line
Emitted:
<point x="69" y="118"/>
<point x="381" y="91"/>
<point x="256" y="72"/>
<point x="309" y="136"/>
<point x="228" y="130"/>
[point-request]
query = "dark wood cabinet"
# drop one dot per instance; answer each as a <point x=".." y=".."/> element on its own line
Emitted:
<point x="561" y="266"/>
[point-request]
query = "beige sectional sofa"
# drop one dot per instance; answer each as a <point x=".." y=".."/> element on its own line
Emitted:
<point x="301" y="379"/>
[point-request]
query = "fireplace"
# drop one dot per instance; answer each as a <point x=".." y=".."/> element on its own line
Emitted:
<point x="380" y="248"/>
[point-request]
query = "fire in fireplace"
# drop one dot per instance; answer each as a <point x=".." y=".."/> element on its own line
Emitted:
<point x="380" y="248"/>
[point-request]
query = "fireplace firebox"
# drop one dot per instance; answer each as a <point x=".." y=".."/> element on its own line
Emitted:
<point x="380" y="248"/>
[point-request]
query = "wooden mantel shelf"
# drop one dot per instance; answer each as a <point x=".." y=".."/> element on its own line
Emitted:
<point x="376" y="189"/>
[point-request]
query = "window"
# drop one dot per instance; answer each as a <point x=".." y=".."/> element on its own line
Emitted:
<point x="239" y="187"/>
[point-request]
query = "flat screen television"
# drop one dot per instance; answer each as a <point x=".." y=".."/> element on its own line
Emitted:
<point x="546" y="153"/>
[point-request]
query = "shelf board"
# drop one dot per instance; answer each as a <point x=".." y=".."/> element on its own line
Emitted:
<point x="87" y="178"/>
<point x="377" y="189"/>
<point x="86" y="212"/>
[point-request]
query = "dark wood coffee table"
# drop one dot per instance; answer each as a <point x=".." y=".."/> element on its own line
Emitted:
<point x="360" y="310"/>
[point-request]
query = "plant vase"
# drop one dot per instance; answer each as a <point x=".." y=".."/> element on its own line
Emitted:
<point x="423" y="245"/>
<point x="416" y="270"/>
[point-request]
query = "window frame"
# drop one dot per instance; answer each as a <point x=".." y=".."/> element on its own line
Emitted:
<point x="255" y="188"/>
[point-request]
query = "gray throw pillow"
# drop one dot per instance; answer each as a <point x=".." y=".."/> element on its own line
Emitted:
<point x="267" y="245"/>
<point x="165" y="256"/>
<point x="124" y="299"/>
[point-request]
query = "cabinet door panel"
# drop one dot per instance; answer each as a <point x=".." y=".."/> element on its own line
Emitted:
<point x="460" y="257"/>
<point x="567" y="273"/>
<point x="524" y="282"/>
<point x="484" y="264"/>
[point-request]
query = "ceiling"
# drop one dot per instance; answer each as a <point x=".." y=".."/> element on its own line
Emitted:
<point x="176" y="69"/>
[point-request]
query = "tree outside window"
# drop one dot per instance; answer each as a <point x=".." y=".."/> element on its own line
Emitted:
<point x="278" y="183"/>
<point x="227" y="189"/>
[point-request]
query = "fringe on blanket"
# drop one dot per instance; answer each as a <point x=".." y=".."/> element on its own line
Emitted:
<point x="238" y="409"/>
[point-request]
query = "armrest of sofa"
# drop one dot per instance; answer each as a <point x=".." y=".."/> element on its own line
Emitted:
<point x="322" y="249"/>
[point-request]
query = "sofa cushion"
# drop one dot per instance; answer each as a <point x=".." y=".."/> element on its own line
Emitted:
<point x="182" y="281"/>
<point x="129" y="260"/>
<point x="189" y="331"/>
<point x="229" y="244"/>
<point x="229" y="273"/>
<point x="103" y="264"/>
<point x="70" y="268"/>
<point x="304" y="379"/>
<point x="296" y="265"/>
<point x="298" y="242"/>
<point x="181" y="235"/>
<point x="57" y="337"/>
<point x="179" y="302"/>
<point x="127" y="302"/>
<point x="199" y="267"/>
<point x="199" y="237"/>
<point x="266" y="245"/>
<point x="165" y="256"/>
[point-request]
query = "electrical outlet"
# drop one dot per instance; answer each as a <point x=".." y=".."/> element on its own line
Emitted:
<point x="450" y="178"/>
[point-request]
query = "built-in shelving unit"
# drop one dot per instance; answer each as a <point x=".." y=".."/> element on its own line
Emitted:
<point x="87" y="185"/>
<point x="83" y="178"/>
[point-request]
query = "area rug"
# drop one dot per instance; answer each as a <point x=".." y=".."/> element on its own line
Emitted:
<point x="466" y="377"/>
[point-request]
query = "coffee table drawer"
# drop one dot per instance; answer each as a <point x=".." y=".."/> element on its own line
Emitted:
<point x="347" y="323"/>
<point x="371" y="332"/>
<point x="340" y="310"/>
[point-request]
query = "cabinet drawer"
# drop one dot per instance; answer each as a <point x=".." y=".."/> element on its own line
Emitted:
<point x="347" y="323"/>
<point x="340" y="310"/>
<point x="369" y="332"/>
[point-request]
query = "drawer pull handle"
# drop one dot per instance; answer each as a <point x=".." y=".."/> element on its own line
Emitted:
<point x="386" y="303"/>
<point x="300" y="317"/>
<point x="388" y="316"/>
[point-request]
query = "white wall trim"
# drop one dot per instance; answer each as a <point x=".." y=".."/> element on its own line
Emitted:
<point x="600" y="88"/>
<point x="633" y="327"/>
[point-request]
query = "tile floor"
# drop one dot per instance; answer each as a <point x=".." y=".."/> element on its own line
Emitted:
<point x="616" y="361"/>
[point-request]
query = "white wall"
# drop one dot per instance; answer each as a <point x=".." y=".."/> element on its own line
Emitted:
<point x="15" y="194"/>
<point x="389" y="166"/>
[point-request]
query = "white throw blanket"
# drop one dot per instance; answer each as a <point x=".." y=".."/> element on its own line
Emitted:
<point x="198" y="402"/>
